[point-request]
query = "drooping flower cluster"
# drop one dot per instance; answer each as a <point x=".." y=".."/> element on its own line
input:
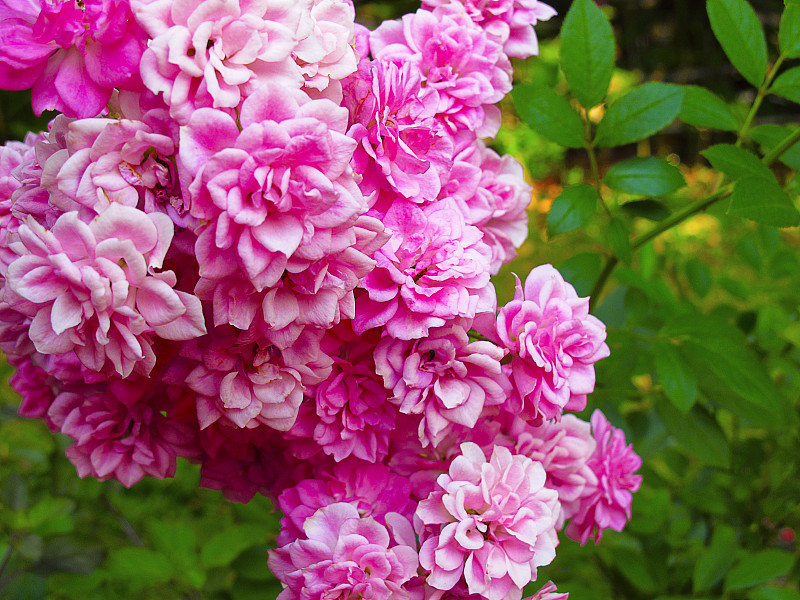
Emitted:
<point x="261" y="238"/>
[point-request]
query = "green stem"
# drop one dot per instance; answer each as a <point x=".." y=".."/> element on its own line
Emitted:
<point x="762" y="91"/>
<point x="776" y="152"/>
<point x="594" y="296"/>
<point x="589" y="145"/>
<point x="717" y="194"/>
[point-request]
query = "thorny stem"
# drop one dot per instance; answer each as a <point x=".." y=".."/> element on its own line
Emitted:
<point x="717" y="193"/>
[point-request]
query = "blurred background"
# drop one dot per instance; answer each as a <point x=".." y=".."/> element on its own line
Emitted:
<point x="719" y="509"/>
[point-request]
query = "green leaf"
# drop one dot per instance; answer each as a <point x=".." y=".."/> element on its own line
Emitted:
<point x="758" y="568"/>
<point x="572" y="209"/>
<point x="769" y="136"/>
<point x="25" y="586"/>
<point x="676" y="377"/>
<point x="224" y="547"/>
<point x="699" y="276"/>
<point x="582" y="271"/>
<point x="764" y="202"/>
<point x="178" y="541"/>
<point x="619" y="240"/>
<point x="587" y="52"/>
<point x="252" y="564"/>
<point x="550" y="114"/>
<point x="787" y="85"/>
<point x="703" y="108"/>
<point x="698" y="433"/>
<point x="789" y="31"/>
<point x="736" y="27"/>
<point x="718" y="350"/>
<point x="63" y="554"/>
<point x="639" y="114"/>
<point x="647" y="209"/>
<point x="139" y="567"/>
<point x="648" y="176"/>
<point x="716" y="559"/>
<point x="774" y="593"/>
<point x="51" y="516"/>
<point x="737" y="162"/>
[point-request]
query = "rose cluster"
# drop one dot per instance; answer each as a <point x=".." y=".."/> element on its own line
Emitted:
<point x="261" y="237"/>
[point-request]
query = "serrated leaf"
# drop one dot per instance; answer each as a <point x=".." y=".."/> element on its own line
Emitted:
<point x="738" y="30"/>
<point x="764" y="202"/>
<point x="619" y="240"/>
<point x="550" y="114"/>
<point x="737" y="162"/>
<point x="224" y="547"/>
<point x="676" y="377"/>
<point x="769" y="136"/>
<point x="572" y="209"/>
<point x="639" y="114"/>
<point x="716" y="559"/>
<point x="787" y="85"/>
<point x="648" y="176"/>
<point x="697" y="433"/>
<point x="703" y="108"/>
<point x="647" y="209"/>
<point x="758" y="568"/>
<point x="789" y="31"/>
<point x="587" y="52"/>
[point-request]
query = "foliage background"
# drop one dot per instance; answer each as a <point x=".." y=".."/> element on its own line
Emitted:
<point x="704" y="375"/>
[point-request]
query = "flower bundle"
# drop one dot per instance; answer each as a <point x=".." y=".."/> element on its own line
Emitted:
<point x="261" y="237"/>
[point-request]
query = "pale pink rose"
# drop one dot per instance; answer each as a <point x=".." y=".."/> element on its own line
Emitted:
<point x="444" y="377"/>
<point x="435" y="268"/>
<point x="93" y="288"/>
<point x="39" y="195"/>
<point x="274" y="192"/>
<point x="554" y="343"/>
<point x="564" y="448"/>
<point x="119" y="430"/>
<point x="608" y="505"/>
<point x="372" y="488"/>
<point x="345" y="555"/>
<point x="457" y="58"/>
<point x="122" y="161"/>
<point x="205" y="53"/>
<point x="249" y="382"/>
<point x="349" y="413"/>
<point x="492" y="192"/>
<point x="73" y="54"/>
<point x="491" y="524"/>
<point x="401" y="145"/>
<point x="508" y="22"/>
<point x="324" y="50"/>
<point x="12" y="157"/>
